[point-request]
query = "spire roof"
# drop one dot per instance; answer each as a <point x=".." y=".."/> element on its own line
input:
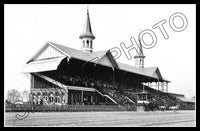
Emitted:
<point x="140" y="53"/>
<point x="87" y="31"/>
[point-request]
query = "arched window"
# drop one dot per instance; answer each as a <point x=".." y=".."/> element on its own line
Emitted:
<point x="87" y="43"/>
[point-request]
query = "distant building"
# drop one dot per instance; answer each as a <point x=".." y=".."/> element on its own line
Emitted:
<point x="183" y="98"/>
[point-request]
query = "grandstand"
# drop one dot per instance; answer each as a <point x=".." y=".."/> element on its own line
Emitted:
<point x="62" y="75"/>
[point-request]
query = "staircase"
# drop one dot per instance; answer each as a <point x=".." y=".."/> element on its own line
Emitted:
<point x="116" y="97"/>
<point x="106" y="96"/>
<point x="51" y="80"/>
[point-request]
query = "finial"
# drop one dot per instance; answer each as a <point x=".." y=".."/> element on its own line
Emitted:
<point x="141" y="51"/>
<point x="139" y="35"/>
<point x="87" y="9"/>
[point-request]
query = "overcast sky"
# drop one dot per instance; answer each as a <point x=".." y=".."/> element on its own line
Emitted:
<point x="28" y="27"/>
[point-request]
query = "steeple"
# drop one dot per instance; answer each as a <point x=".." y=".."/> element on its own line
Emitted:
<point x="139" y="57"/>
<point x="87" y="36"/>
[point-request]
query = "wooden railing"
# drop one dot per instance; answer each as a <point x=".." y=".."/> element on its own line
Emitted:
<point x="62" y="108"/>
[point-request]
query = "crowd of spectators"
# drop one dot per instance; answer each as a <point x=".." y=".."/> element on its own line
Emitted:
<point x="85" y="81"/>
<point x="105" y="86"/>
<point x="116" y="91"/>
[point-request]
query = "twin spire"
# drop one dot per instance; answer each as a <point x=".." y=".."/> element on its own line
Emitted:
<point x="139" y="57"/>
<point x="87" y="36"/>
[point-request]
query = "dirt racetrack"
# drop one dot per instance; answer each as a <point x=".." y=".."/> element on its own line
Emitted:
<point x="104" y="119"/>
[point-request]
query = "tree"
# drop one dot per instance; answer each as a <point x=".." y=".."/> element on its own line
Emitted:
<point x="13" y="96"/>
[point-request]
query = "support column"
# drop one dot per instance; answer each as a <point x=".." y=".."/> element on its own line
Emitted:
<point x="167" y="86"/>
<point x="75" y="99"/>
<point x="91" y="99"/>
<point x="157" y="86"/>
<point x="143" y="87"/>
<point x="71" y="99"/>
<point x="163" y="86"/>
<point x="32" y="82"/>
<point x="66" y="96"/>
<point x="82" y="97"/>
<point x="32" y="87"/>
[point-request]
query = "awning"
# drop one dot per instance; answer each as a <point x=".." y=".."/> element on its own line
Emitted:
<point x="42" y="65"/>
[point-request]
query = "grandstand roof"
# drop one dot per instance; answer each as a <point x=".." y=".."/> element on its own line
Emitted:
<point x="155" y="73"/>
<point x="104" y="58"/>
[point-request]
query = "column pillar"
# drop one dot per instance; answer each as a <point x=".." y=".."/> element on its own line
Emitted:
<point x="91" y="99"/>
<point x="167" y="86"/>
<point x="143" y="87"/>
<point x="157" y="86"/>
<point x="164" y="84"/>
<point x="32" y="87"/>
<point x="71" y="99"/>
<point x="82" y="97"/>
<point x="32" y="82"/>
<point x="66" y="96"/>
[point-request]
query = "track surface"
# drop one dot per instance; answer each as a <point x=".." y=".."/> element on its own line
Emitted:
<point x="105" y="119"/>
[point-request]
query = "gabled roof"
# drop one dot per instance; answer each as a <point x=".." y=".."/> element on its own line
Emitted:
<point x="150" y="70"/>
<point x="50" y="49"/>
<point x="99" y="57"/>
<point x="104" y="58"/>
<point x="131" y="69"/>
<point x="155" y="73"/>
<point x="73" y="53"/>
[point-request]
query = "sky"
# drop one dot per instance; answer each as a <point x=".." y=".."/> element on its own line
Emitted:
<point x="28" y="27"/>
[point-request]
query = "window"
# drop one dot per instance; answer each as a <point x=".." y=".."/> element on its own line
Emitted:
<point x="87" y="43"/>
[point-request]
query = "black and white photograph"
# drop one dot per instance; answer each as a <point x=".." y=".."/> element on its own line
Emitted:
<point x="99" y="65"/>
